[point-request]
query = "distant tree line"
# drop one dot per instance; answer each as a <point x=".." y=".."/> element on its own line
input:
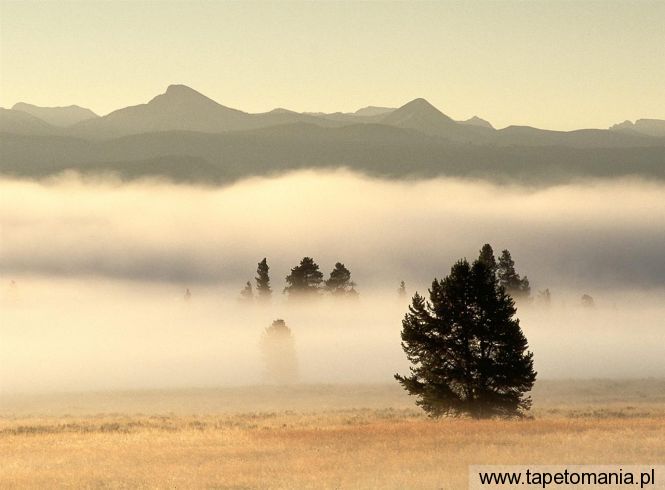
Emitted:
<point x="307" y="281"/>
<point x="304" y="281"/>
<point x="504" y="271"/>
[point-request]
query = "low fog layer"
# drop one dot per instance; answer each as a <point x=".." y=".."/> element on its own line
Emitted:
<point x="100" y="271"/>
<point x="78" y="335"/>
<point x="587" y="236"/>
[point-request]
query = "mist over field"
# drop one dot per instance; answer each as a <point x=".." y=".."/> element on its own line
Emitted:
<point x="100" y="269"/>
<point x="593" y="235"/>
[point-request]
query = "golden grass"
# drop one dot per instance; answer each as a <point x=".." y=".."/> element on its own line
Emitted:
<point x="316" y="448"/>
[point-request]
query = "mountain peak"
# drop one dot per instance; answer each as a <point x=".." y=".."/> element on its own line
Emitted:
<point x="477" y="121"/>
<point x="179" y="108"/>
<point x="421" y="108"/>
<point x="419" y="104"/>
<point x="418" y="114"/>
<point x="187" y="99"/>
<point x="180" y="92"/>
<point x="178" y="88"/>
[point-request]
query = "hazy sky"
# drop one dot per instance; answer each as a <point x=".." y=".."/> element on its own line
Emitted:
<point x="558" y="65"/>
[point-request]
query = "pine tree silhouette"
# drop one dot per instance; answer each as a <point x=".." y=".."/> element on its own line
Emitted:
<point x="304" y="280"/>
<point x="468" y="352"/>
<point x="340" y="283"/>
<point x="515" y="285"/>
<point x="263" y="281"/>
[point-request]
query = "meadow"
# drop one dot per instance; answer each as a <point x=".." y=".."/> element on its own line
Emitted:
<point x="312" y="436"/>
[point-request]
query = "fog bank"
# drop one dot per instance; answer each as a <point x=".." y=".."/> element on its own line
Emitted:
<point x="75" y="335"/>
<point x="599" y="235"/>
<point x="100" y="269"/>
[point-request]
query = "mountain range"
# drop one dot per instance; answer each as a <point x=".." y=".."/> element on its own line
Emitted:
<point x="57" y="116"/>
<point x="184" y="135"/>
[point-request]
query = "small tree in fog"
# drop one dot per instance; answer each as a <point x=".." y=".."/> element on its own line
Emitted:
<point x="545" y="297"/>
<point x="340" y="283"/>
<point x="246" y="294"/>
<point x="279" y="354"/>
<point x="12" y="292"/>
<point x="515" y="285"/>
<point x="263" y="281"/>
<point x="587" y="301"/>
<point x="304" y="280"/>
<point x="468" y="352"/>
<point x="401" y="291"/>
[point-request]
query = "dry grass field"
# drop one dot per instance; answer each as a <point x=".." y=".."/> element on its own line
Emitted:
<point x="312" y="437"/>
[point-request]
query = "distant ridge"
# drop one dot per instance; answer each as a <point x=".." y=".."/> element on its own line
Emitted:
<point x="179" y="108"/>
<point x="476" y="121"/>
<point x="373" y="149"/>
<point x="422" y="116"/>
<point x="650" y="127"/>
<point x="57" y="116"/>
<point x="371" y="110"/>
<point x="19" y="122"/>
<point x="183" y="135"/>
<point x="182" y="108"/>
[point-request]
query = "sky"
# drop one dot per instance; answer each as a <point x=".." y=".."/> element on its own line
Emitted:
<point x="557" y="65"/>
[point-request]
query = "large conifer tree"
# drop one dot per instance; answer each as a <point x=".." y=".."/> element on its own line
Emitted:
<point x="468" y="352"/>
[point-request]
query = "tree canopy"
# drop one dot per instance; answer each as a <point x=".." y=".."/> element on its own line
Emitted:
<point x="263" y="280"/>
<point x="467" y="350"/>
<point x="305" y="279"/>
<point x="339" y="283"/>
<point x="487" y="257"/>
<point x="515" y="285"/>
